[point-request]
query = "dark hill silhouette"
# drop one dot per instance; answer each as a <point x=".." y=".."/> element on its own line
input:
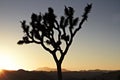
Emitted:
<point x="47" y="69"/>
<point x="70" y="75"/>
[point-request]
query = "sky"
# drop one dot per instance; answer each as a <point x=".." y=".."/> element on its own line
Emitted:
<point x="96" y="45"/>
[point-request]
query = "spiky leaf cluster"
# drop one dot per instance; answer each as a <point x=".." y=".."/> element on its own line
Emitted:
<point x="42" y="28"/>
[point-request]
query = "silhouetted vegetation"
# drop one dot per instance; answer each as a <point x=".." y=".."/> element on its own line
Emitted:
<point x="53" y="34"/>
<point x="74" y="75"/>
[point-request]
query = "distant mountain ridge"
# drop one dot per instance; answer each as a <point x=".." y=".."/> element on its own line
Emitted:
<point x="72" y="75"/>
<point x="47" y="69"/>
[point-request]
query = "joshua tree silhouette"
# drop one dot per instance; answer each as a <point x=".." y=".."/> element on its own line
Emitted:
<point x="52" y="34"/>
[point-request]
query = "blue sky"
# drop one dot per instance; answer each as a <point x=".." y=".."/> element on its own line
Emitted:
<point x="96" y="45"/>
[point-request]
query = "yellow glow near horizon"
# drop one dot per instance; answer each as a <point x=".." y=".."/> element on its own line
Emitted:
<point x="1" y="71"/>
<point x="6" y="62"/>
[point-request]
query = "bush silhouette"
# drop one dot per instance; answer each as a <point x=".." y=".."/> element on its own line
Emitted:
<point x="51" y="33"/>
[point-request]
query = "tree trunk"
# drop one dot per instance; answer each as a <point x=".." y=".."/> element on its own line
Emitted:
<point x="59" y="71"/>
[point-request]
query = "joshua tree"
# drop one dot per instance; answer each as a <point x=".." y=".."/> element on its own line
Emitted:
<point x="53" y="34"/>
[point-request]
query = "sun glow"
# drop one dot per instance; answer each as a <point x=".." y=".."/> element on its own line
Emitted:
<point x="6" y="62"/>
<point x="1" y="71"/>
